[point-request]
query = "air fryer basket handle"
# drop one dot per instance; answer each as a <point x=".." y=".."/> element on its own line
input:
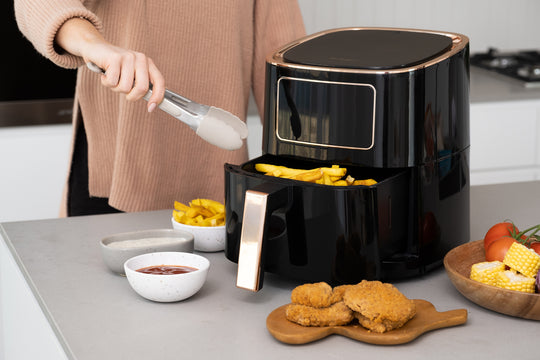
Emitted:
<point x="259" y="204"/>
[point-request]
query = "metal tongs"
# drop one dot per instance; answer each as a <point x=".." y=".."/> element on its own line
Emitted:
<point x="214" y="125"/>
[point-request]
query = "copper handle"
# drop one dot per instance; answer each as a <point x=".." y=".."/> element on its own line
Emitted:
<point x="259" y="204"/>
<point x="249" y="258"/>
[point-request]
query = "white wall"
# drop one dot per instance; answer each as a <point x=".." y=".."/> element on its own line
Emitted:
<point x="488" y="23"/>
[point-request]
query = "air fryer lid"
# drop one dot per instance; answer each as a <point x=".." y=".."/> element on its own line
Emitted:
<point x="374" y="49"/>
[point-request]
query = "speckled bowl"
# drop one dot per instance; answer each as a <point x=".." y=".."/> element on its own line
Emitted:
<point x="115" y="257"/>
<point x="207" y="238"/>
<point x="167" y="288"/>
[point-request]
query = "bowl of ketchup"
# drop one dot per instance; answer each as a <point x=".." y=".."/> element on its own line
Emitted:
<point x="167" y="276"/>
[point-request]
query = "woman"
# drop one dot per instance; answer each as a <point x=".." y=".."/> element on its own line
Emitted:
<point x="126" y="156"/>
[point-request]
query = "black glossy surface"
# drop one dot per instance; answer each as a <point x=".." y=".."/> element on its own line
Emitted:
<point x="319" y="110"/>
<point x="398" y="228"/>
<point x="407" y="130"/>
<point x="419" y="116"/>
<point x="369" y="49"/>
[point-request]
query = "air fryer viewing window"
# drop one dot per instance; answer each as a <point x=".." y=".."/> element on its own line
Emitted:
<point x="313" y="112"/>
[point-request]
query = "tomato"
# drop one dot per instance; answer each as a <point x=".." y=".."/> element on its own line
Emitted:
<point x="498" y="248"/>
<point x="499" y="230"/>
<point x="536" y="247"/>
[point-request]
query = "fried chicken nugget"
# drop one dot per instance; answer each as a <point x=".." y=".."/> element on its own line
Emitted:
<point x="318" y="295"/>
<point x="338" y="292"/>
<point x="378" y="306"/>
<point x="335" y="315"/>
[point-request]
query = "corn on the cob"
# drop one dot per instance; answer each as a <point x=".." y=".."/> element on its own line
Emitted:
<point x="485" y="272"/>
<point x="522" y="259"/>
<point x="513" y="281"/>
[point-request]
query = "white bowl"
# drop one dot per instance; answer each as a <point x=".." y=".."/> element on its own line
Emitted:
<point x="167" y="288"/>
<point x="117" y="249"/>
<point x="207" y="238"/>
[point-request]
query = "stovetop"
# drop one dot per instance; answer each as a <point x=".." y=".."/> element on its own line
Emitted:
<point x="523" y="65"/>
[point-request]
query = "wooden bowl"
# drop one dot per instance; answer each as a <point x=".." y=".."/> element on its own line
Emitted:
<point x="458" y="264"/>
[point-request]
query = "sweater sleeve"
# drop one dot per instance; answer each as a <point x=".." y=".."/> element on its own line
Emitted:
<point x="39" y="22"/>
<point x="277" y="22"/>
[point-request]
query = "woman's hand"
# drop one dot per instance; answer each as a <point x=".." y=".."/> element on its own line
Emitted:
<point x="126" y="71"/>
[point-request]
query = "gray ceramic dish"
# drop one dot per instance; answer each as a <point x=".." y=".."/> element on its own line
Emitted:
<point x="128" y="245"/>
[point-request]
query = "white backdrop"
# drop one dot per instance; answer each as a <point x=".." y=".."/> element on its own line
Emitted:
<point x="488" y="23"/>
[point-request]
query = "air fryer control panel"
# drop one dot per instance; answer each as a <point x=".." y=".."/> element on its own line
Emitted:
<point x="370" y="49"/>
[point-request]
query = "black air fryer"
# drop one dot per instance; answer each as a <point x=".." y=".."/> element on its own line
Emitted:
<point x="387" y="104"/>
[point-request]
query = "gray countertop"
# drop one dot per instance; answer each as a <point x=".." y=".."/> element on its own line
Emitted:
<point x="488" y="86"/>
<point x="96" y="315"/>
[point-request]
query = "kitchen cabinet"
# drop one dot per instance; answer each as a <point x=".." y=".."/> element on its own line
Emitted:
<point x="33" y="169"/>
<point x="505" y="129"/>
<point x="504" y="142"/>
<point x="25" y="332"/>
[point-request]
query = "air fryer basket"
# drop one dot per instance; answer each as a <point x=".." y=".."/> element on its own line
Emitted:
<point x="338" y="234"/>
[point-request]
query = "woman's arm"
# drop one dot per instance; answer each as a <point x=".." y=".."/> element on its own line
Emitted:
<point x="126" y="71"/>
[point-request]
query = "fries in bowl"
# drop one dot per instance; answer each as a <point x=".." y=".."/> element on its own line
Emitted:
<point x="200" y="212"/>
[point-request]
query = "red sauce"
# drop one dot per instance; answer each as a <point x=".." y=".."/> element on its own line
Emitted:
<point x="166" y="269"/>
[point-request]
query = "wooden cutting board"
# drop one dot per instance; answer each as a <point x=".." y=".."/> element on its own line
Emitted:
<point x="426" y="319"/>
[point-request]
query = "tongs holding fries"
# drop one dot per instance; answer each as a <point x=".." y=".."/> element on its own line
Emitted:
<point x="214" y="125"/>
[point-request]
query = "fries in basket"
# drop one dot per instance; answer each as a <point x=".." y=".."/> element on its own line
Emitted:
<point x="334" y="175"/>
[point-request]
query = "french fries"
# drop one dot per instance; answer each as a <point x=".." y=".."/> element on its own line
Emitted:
<point x="200" y="212"/>
<point x="323" y="175"/>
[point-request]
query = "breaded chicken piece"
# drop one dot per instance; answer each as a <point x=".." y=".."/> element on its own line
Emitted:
<point x="380" y="307"/>
<point x="316" y="295"/>
<point x="337" y="314"/>
<point x="338" y="292"/>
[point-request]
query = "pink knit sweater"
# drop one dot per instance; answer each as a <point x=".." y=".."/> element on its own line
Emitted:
<point x="210" y="51"/>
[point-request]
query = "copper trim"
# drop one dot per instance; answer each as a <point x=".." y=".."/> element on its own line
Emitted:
<point x="319" y="144"/>
<point x="459" y="42"/>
